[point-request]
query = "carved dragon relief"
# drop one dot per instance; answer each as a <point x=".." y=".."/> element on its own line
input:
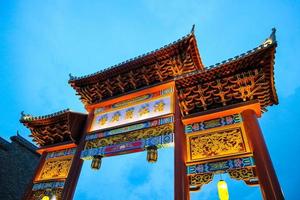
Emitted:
<point x="130" y="137"/>
<point x="56" y="168"/>
<point x="215" y="144"/>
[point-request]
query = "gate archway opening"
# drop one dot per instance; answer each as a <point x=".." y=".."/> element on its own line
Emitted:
<point x="129" y="176"/>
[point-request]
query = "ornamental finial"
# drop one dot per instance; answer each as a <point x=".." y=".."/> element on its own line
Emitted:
<point x="273" y="34"/>
<point x="193" y="29"/>
<point x="25" y="117"/>
<point x="271" y="39"/>
<point x="71" y="77"/>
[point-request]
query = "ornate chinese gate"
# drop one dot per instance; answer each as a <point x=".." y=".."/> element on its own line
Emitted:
<point x="166" y="97"/>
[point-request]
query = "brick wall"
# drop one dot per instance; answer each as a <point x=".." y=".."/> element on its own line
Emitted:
<point x="18" y="161"/>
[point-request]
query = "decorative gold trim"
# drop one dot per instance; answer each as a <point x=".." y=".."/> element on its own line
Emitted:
<point x="200" y="179"/>
<point x="245" y="174"/>
<point x="55" y="168"/>
<point x="131" y="136"/>
<point x="216" y="130"/>
<point x="230" y="157"/>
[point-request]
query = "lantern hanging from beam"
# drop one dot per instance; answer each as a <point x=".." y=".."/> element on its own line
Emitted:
<point x="223" y="190"/>
<point x="96" y="162"/>
<point x="152" y="154"/>
<point x="46" y="198"/>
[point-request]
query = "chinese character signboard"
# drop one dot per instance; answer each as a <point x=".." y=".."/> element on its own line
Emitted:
<point x="133" y="110"/>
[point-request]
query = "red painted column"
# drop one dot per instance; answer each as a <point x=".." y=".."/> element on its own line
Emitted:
<point x="74" y="173"/>
<point x="36" y="173"/>
<point x="72" y="179"/>
<point x="268" y="181"/>
<point x="181" y="184"/>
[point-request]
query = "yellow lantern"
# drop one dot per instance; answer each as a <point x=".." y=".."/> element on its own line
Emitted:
<point x="223" y="190"/>
<point x="96" y="162"/>
<point x="46" y="198"/>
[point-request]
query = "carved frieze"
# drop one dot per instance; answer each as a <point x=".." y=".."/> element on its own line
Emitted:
<point x="39" y="194"/>
<point x="130" y="128"/>
<point x="60" y="153"/>
<point x="48" y="185"/>
<point x="56" y="168"/>
<point x="221" y="166"/>
<point x="213" y="123"/>
<point x="243" y="173"/>
<point x="200" y="179"/>
<point x="160" y="141"/>
<point x="214" y="144"/>
<point x="130" y="137"/>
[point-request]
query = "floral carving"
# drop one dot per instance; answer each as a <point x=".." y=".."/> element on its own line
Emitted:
<point x="243" y="173"/>
<point x="130" y="137"/>
<point x="56" y="168"/>
<point x="200" y="179"/>
<point x="210" y="145"/>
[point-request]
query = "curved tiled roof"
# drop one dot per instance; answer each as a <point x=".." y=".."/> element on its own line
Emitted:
<point x="29" y="118"/>
<point x="58" y="127"/>
<point x="261" y="57"/>
<point x="155" y="67"/>
<point x="134" y="61"/>
<point x="73" y="78"/>
<point x="270" y="41"/>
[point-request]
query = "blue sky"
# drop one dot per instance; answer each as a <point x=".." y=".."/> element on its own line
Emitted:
<point x="43" y="41"/>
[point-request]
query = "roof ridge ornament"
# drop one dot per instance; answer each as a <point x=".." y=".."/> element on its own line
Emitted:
<point x="273" y="35"/>
<point x="25" y="117"/>
<point x="271" y="39"/>
<point x="71" y="77"/>
<point x="193" y="29"/>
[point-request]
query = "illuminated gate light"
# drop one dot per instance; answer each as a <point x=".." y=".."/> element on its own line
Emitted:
<point x="223" y="190"/>
<point x="46" y="198"/>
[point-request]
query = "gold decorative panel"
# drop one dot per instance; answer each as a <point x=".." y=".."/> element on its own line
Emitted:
<point x="39" y="194"/>
<point x="212" y="144"/>
<point x="131" y="136"/>
<point x="57" y="168"/>
<point x="243" y="173"/>
<point x="200" y="179"/>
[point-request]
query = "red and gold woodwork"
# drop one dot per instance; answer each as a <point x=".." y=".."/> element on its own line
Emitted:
<point x="136" y="122"/>
<point x="57" y="135"/>
<point x="219" y="145"/>
<point x="163" y="98"/>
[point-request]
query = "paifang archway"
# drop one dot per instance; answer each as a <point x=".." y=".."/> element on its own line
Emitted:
<point x="166" y="97"/>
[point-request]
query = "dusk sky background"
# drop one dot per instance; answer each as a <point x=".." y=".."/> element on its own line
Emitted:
<point x="41" y="42"/>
